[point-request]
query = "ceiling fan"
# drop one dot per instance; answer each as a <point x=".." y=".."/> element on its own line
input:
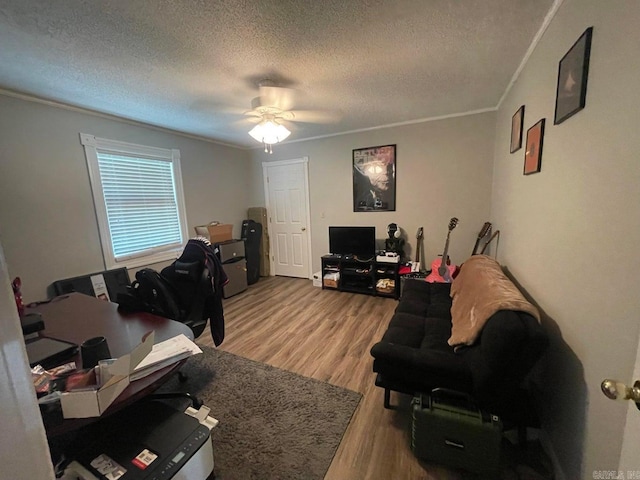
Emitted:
<point x="273" y="108"/>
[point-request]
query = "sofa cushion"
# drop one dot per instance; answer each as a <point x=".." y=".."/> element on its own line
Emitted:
<point x="436" y="331"/>
<point x="419" y="332"/>
<point x="509" y="345"/>
<point x="414" y="350"/>
<point x="425" y="299"/>
<point x="405" y="329"/>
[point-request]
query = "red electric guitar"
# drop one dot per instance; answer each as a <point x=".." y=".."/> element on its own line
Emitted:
<point x="441" y="269"/>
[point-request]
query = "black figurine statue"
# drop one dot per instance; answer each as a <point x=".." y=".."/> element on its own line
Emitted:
<point x="395" y="243"/>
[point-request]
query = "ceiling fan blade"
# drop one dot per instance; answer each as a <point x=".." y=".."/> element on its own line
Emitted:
<point x="316" y="116"/>
<point x="278" y="97"/>
<point x="207" y="106"/>
<point x="246" y="122"/>
<point x="229" y="110"/>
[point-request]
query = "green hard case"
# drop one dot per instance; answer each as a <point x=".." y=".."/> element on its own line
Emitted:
<point x="448" y="428"/>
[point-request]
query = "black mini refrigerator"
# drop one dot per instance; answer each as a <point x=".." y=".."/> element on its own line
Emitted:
<point x="234" y="263"/>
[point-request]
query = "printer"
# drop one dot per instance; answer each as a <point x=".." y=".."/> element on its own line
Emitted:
<point x="150" y="440"/>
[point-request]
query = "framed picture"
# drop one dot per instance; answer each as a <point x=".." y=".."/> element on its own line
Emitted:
<point x="374" y="179"/>
<point x="533" y="152"/>
<point x="573" y="71"/>
<point x="516" y="129"/>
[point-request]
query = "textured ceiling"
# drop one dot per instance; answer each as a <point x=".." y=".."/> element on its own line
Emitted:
<point x="193" y="65"/>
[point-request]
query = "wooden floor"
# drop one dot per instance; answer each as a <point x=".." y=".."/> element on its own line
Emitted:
<point x="327" y="335"/>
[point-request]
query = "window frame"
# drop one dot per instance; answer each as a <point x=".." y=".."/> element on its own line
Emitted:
<point x="92" y="145"/>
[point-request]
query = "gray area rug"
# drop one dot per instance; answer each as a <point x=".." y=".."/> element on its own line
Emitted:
<point x="274" y="424"/>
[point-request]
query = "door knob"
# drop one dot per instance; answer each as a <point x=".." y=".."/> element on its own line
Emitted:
<point x="616" y="390"/>
<point x="304" y="229"/>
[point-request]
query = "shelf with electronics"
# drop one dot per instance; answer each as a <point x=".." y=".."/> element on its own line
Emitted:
<point x="356" y="266"/>
<point x="377" y="276"/>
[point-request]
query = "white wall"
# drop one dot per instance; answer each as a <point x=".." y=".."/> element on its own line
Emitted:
<point x="19" y="416"/>
<point x="47" y="220"/>
<point x="570" y="233"/>
<point x="444" y="169"/>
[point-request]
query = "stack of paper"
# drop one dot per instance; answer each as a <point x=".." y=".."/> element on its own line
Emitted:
<point x="164" y="354"/>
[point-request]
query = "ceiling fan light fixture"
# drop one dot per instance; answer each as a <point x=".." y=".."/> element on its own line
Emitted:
<point x="269" y="131"/>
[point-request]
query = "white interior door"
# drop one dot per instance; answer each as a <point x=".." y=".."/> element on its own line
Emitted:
<point x="287" y="197"/>
<point x="631" y="434"/>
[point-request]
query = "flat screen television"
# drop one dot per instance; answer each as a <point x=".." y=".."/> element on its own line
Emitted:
<point x="358" y="241"/>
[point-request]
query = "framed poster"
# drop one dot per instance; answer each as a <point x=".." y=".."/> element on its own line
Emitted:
<point x="516" y="129"/>
<point x="573" y="70"/>
<point x="374" y="179"/>
<point x="533" y="153"/>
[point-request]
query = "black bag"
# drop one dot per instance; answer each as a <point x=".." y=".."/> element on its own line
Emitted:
<point x="150" y="292"/>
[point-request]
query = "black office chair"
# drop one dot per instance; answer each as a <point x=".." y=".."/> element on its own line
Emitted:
<point x="191" y="283"/>
<point x="189" y="290"/>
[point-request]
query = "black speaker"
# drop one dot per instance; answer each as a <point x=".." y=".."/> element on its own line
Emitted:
<point x="252" y="235"/>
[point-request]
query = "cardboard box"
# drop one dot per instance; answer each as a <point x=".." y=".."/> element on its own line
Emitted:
<point x="93" y="402"/>
<point x="215" y="233"/>
<point x="317" y="279"/>
<point x="220" y="233"/>
<point x="331" y="279"/>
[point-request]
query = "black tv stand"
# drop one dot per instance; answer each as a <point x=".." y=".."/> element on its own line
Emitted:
<point x="350" y="273"/>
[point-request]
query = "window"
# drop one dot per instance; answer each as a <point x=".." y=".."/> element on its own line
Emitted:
<point x="139" y="201"/>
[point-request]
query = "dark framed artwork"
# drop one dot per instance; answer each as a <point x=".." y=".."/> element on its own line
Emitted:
<point x="533" y="151"/>
<point x="573" y="71"/>
<point x="374" y="179"/>
<point x="517" y="122"/>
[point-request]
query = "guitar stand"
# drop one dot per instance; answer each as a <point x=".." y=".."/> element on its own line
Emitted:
<point x="495" y="234"/>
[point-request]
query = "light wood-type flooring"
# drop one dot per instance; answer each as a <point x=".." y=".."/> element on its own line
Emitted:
<point x="327" y="335"/>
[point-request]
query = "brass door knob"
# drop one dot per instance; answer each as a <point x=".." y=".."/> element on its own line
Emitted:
<point x="616" y="390"/>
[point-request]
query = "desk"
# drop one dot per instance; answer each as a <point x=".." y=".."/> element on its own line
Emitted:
<point x="76" y="317"/>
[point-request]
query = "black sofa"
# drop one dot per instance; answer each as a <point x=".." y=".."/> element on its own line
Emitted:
<point x="414" y="356"/>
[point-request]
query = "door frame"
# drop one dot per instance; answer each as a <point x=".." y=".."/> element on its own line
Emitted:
<point x="305" y="164"/>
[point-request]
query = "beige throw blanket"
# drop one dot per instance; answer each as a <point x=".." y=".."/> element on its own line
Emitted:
<point x="480" y="290"/>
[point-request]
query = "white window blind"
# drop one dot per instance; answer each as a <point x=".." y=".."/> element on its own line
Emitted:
<point x="139" y="201"/>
